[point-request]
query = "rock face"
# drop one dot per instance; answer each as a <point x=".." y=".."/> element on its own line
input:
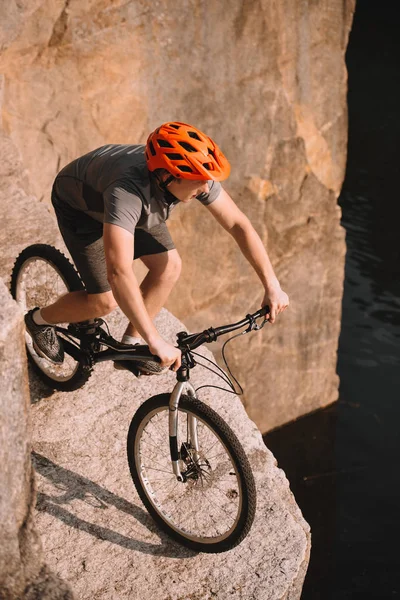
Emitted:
<point x="95" y="532"/>
<point x="267" y="79"/>
<point x="23" y="573"/>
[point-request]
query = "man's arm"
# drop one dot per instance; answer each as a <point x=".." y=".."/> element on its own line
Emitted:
<point x="119" y="248"/>
<point x="233" y="220"/>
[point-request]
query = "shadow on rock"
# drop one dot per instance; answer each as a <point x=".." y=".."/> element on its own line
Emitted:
<point x="76" y="487"/>
<point x="38" y="390"/>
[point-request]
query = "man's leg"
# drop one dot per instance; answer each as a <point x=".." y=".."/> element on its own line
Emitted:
<point x="70" y="308"/>
<point x="79" y="306"/>
<point x="164" y="270"/>
<point x="83" y="238"/>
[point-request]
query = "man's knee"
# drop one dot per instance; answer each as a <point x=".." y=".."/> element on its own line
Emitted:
<point x="174" y="267"/>
<point x="103" y="303"/>
<point x="166" y="266"/>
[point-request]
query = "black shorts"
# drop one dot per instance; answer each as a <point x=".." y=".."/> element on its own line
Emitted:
<point x="83" y="237"/>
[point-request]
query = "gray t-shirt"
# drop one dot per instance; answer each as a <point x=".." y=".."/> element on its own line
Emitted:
<point x="112" y="185"/>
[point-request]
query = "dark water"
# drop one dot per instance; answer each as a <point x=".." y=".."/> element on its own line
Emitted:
<point x="343" y="463"/>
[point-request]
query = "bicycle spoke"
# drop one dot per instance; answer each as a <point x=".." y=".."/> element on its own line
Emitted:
<point x="207" y="505"/>
<point x="160" y="434"/>
<point x="153" y="469"/>
<point x="215" y="456"/>
<point x="150" y="460"/>
<point x="150" y="443"/>
<point x="169" y="481"/>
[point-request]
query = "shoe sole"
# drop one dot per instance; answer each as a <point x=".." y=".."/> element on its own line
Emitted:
<point x="43" y="355"/>
<point x="120" y="367"/>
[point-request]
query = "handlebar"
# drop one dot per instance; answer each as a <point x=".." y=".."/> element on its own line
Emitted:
<point x="186" y="342"/>
<point x="194" y="340"/>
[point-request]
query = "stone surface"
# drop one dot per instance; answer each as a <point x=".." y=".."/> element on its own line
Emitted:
<point x="23" y="573"/>
<point x="97" y="534"/>
<point x="21" y="223"/>
<point x="267" y="79"/>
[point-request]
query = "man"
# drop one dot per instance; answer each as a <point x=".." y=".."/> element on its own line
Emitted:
<point x="111" y="205"/>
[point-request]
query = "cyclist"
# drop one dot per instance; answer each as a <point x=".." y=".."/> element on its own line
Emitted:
<point x="111" y="206"/>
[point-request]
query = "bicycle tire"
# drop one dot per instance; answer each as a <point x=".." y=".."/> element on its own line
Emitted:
<point x="246" y="485"/>
<point x="78" y="371"/>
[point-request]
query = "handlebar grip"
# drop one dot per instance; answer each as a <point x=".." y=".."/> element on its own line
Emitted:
<point x="261" y="313"/>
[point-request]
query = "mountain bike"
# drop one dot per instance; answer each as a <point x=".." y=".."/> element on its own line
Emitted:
<point x="187" y="464"/>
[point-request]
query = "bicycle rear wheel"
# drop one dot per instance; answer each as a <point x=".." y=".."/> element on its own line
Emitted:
<point x="41" y="274"/>
<point x="214" y="508"/>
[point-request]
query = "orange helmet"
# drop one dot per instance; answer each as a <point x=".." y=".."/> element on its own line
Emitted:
<point x="186" y="153"/>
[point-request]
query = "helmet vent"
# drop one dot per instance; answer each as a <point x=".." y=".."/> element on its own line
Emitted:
<point x="164" y="144"/>
<point x="174" y="156"/>
<point x="187" y="146"/>
<point x="185" y="152"/>
<point x="152" y="148"/>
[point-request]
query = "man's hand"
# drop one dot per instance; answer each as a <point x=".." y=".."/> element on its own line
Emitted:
<point x="276" y="299"/>
<point x="169" y="355"/>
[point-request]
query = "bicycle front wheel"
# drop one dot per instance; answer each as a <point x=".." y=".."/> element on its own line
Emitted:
<point x="42" y="274"/>
<point x="213" y="509"/>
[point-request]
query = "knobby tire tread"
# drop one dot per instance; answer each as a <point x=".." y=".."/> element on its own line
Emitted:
<point x="242" y="463"/>
<point x="74" y="284"/>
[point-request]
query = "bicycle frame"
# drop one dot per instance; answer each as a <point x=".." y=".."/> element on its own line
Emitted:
<point x="92" y="337"/>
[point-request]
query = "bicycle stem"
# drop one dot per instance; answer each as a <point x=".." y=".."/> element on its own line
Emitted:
<point x="194" y="340"/>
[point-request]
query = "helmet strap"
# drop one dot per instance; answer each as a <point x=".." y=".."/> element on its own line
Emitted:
<point x="164" y="184"/>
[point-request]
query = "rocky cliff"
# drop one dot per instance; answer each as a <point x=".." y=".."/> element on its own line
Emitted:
<point x="95" y="531"/>
<point x="265" y="78"/>
<point x="23" y="571"/>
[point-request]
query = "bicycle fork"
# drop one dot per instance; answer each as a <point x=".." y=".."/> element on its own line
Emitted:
<point x="181" y="387"/>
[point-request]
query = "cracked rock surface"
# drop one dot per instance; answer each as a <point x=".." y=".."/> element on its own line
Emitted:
<point x="97" y="534"/>
<point x="267" y="79"/>
<point x="23" y="572"/>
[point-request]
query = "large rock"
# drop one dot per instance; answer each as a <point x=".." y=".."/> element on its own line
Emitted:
<point x="24" y="221"/>
<point x="94" y="528"/>
<point x="95" y="531"/>
<point x="23" y="572"/>
<point x="267" y="79"/>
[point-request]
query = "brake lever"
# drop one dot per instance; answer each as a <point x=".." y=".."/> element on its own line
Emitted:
<point x="253" y="325"/>
<point x="258" y="327"/>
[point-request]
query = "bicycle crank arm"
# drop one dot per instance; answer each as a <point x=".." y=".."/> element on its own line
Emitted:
<point x="72" y="349"/>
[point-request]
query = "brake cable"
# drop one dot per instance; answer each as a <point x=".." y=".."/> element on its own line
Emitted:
<point x="253" y="326"/>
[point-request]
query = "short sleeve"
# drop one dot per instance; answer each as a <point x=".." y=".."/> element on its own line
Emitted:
<point x="214" y="190"/>
<point x="122" y="208"/>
